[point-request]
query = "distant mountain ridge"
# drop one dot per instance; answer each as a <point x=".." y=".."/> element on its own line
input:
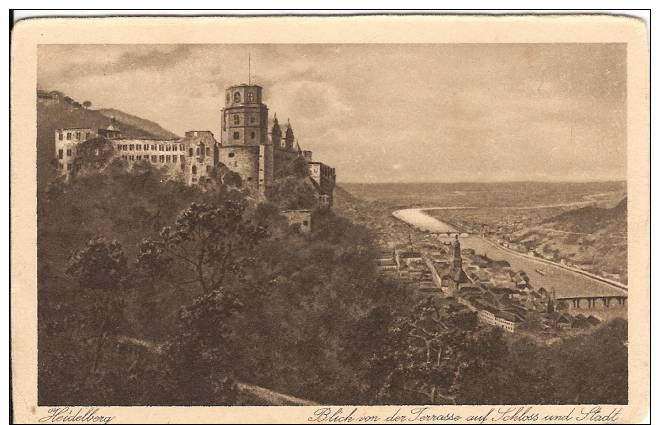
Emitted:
<point x="127" y="119"/>
<point x="594" y="238"/>
<point x="591" y="219"/>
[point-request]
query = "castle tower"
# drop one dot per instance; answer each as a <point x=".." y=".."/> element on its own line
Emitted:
<point x="244" y="117"/>
<point x="457" y="261"/>
<point x="276" y="133"/>
<point x="288" y="136"/>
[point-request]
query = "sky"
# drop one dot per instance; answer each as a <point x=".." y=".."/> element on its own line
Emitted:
<point x="384" y="112"/>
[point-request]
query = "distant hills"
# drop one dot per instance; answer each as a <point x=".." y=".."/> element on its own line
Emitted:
<point x="593" y="238"/>
<point x="143" y="124"/>
<point x="69" y="113"/>
<point x="591" y="219"/>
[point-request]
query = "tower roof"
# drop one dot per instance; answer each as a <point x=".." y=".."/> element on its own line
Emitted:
<point x="113" y="125"/>
<point x="244" y="85"/>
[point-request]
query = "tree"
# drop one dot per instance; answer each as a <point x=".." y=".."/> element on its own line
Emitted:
<point x="298" y="168"/>
<point x="87" y="104"/>
<point x="291" y="193"/>
<point x="207" y="244"/>
<point x="101" y="267"/>
<point x="483" y="369"/>
<point x="93" y="155"/>
<point x="421" y="356"/>
<point x="198" y="359"/>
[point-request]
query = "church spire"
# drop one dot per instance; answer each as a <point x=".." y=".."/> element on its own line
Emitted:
<point x="457" y="261"/>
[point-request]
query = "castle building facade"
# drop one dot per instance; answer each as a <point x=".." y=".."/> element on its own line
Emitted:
<point x="67" y="141"/>
<point x="247" y="146"/>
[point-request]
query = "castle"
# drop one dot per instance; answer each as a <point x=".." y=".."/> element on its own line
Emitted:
<point x="247" y="146"/>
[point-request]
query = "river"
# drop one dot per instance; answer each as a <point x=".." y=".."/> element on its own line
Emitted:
<point x="566" y="283"/>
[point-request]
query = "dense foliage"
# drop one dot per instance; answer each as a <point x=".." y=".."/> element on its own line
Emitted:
<point x="151" y="292"/>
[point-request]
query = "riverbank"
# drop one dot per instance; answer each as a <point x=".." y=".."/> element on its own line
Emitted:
<point x="563" y="266"/>
<point x="567" y="282"/>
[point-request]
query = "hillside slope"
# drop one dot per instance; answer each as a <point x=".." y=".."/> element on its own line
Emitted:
<point x="592" y="238"/>
<point x="591" y="219"/>
<point x="59" y="115"/>
<point x="127" y="119"/>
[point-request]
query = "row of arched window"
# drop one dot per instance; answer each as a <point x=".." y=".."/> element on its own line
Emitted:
<point x="237" y="119"/>
<point x="237" y="97"/>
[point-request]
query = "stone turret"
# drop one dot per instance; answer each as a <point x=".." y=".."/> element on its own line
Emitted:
<point x="276" y="133"/>
<point x="288" y="136"/>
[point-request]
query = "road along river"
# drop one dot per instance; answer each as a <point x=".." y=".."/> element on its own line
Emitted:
<point x="565" y="282"/>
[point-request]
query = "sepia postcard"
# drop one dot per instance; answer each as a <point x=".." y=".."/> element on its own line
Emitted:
<point x="354" y="219"/>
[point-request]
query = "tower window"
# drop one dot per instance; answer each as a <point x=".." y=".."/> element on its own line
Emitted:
<point x="190" y="152"/>
<point x="228" y="98"/>
<point x="237" y="135"/>
<point x="194" y="169"/>
<point x="252" y="134"/>
<point x="60" y="153"/>
<point x="61" y="136"/>
<point x="250" y="97"/>
<point x="253" y="119"/>
<point x="237" y="97"/>
<point x="237" y="119"/>
<point x="231" y="154"/>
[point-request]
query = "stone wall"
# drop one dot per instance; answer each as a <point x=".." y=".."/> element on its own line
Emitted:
<point x="299" y="218"/>
<point x="243" y="160"/>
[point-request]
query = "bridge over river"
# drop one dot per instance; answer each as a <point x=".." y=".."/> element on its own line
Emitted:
<point x="568" y="284"/>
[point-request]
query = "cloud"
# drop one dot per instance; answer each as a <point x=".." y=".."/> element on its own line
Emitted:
<point x="384" y="112"/>
<point x="134" y="58"/>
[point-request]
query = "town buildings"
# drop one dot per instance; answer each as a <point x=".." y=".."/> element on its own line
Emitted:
<point x="497" y="295"/>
